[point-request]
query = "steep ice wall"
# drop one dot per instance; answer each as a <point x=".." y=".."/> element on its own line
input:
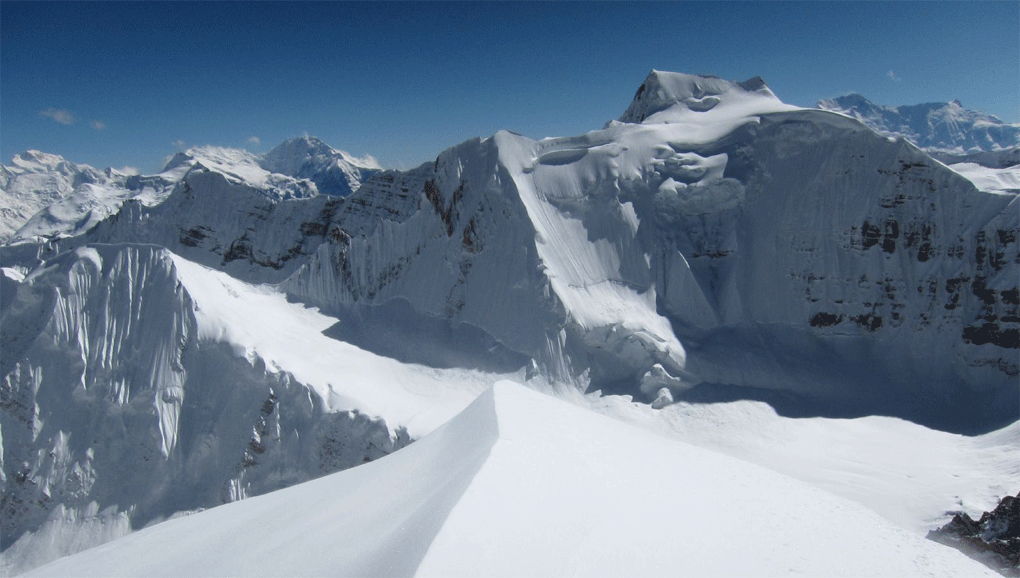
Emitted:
<point x="114" y="412"/>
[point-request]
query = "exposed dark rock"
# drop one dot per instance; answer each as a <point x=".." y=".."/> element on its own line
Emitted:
<point x="993" y="540"/>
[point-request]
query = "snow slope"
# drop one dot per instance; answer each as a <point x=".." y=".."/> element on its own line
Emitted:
<point x="520" y="484"/>
<point x="913" y="476"/>
<point x="713" y="250"/>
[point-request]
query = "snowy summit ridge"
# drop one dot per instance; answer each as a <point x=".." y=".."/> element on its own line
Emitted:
<point x="675" y="97"/>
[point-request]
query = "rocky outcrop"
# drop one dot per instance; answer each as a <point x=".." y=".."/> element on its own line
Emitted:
<point x="993" y="539"/>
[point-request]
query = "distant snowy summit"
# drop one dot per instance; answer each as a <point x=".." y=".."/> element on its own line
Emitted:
<point x="942" y="127"/>
<point x="670" y="97"/>
<point x="43" y="196"/>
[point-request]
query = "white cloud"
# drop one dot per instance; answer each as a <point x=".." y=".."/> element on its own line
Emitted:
<point x="178" y="144"/>
<point x="254" y="140"/>
<point x="61" y="115"/>
<point x="893" y="76"/>
<point x="128" y="170"/>
<point x="98" y="125"/>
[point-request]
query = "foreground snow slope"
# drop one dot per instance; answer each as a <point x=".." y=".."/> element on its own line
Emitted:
<point x="520" y="484"/>
<point x="913" y="476"/>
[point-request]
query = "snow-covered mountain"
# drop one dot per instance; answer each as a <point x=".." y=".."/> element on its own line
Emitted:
<point x="714" y="249"/>
<point x="45" y="197"/>
<point x="35" y="180"/>
<point x="841" y="267"/>
<point x="333" y="171"/>
<point x="944" y="127"/>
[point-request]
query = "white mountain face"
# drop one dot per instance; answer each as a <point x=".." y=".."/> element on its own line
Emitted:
<point x="334" y="172"/>
<point x="936" y="126"/>
<point x="235" y="330"/>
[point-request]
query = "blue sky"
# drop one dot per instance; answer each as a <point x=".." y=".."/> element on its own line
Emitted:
<point x="115" y="84"/>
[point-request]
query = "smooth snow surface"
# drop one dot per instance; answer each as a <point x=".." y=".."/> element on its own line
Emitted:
<point x="259" y="323"/>
<point x="520" y="484"/>
<point x="914" y="476"/>
<point x="1003" y="181"/>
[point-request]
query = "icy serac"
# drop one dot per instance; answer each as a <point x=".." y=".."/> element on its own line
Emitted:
<point x="713" y="237"/>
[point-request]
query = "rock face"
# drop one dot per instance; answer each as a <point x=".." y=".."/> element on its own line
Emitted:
<point x="994" y="539"/>
<point x="936" y="126"/>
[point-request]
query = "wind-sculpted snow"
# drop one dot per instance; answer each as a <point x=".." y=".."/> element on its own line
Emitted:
<point x="520" y="484"/>
<point x="231" y="330"/>
<point x="126" y="401"/>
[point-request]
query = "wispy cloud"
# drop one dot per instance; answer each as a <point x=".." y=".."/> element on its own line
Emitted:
<point x="179" y="144"/>
<point x="98" y="125"/>
<point x="254" y="140"/>
<point x="61" y="115"/>
<point x="893" y="76"/>
<point x="129" y="170"/>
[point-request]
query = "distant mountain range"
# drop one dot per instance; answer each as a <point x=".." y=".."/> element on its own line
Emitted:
<point x="941" y="127"/>
<point x="46" y="196"/>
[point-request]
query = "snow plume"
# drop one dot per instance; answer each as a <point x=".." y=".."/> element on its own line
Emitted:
<point x="61" y="115"/>
<point x="255" y="141"/>
<point x="98" y="125"/>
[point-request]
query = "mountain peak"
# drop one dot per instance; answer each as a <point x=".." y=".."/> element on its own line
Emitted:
<point x="674" y="96"/>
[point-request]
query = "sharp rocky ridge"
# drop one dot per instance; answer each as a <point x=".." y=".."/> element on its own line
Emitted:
<point x="712" y="243"/>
